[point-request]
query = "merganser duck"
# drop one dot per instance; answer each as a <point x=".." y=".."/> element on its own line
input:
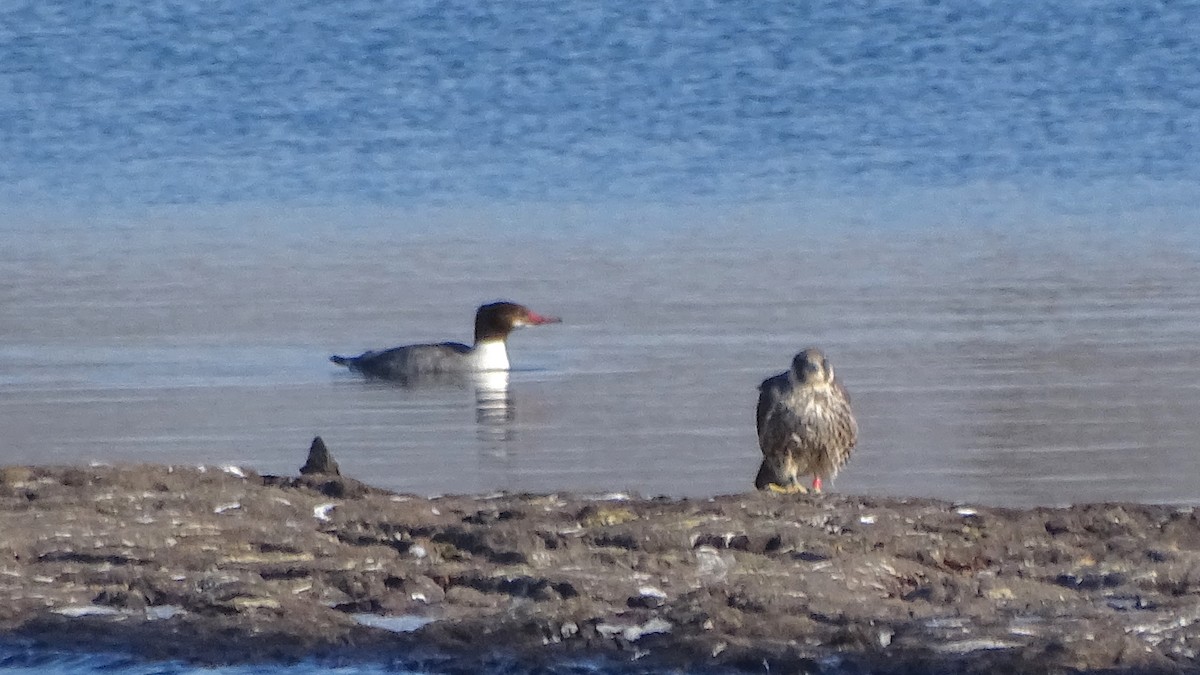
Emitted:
<point x="805" y="425"/>
<point x="493" y="323"/>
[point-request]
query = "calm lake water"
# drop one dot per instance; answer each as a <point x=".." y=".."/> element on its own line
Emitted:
<point x="986" y="214"/>
<point x="1012" y="366"/>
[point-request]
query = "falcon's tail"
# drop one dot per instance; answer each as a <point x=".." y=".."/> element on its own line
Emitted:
<point x="347" y="361"/>
<point x="764" y="477"/>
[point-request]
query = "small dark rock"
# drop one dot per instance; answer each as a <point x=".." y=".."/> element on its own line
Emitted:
<point x="484" y="517"/>
<point x="565" y="589"/>
<point x="320" y="460"/>
<point x="469" y="597"/>
<point x="363" y="605"/>
<point x="274" y="573"/>
<point x="1055" y="527"/>
<point x="75" y="478"/>
<point x="1089" y="581"/>
<point x="121" y="597"/>
<point x="1154" y="555"/>
<point x="645" y="601"/>
<point x="810" y="556"/>
<point x="622" y="540"/>
<point x="518" y="586"/>
<point x="920" y="593"/>
<point x="333" y="488"/>
<point x="1125" y="603"/>
<point x="357" y="585"/>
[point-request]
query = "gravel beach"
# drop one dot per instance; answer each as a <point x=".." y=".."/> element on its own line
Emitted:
<point x="221" y="565"/>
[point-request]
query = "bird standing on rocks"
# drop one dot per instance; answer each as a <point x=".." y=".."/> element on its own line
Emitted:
<point x="805" y="425"/>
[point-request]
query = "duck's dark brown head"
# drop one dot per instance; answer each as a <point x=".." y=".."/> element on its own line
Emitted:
<point x="496" y="320"/>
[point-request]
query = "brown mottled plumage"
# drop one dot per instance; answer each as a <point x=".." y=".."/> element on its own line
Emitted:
<point x="805" y="425"/>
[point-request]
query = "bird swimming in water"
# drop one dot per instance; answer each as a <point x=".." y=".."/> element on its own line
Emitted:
<point x="411" y="363"/>
<point x="805" y="425"/>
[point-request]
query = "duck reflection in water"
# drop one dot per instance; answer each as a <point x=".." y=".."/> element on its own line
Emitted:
<point x="495" y="412"/>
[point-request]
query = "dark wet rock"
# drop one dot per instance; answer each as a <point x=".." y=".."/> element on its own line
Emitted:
<point x="126" y="598"/>
<point x="320" y="461"/>
<point x="648" y="597"/>
<point x="222" y="565"/>
<point x="75" y="478"/>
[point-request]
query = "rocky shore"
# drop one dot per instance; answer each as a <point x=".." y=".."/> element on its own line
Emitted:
<point x="221" y="565"/>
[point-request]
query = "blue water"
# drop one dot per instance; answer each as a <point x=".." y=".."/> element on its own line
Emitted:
<point x="134" y="103"/>
<point x="19" y="661"/>
<point x="985" y="212"/>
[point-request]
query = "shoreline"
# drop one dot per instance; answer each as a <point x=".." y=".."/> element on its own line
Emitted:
<point x="224" y="566"/>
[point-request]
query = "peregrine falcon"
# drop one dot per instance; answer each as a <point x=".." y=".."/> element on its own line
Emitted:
<point x="805" y="425"/>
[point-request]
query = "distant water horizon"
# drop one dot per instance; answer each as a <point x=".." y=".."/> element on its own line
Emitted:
<point x="129" y="104"/>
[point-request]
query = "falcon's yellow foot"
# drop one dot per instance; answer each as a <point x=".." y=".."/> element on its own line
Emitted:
<point x="794" y="488"/>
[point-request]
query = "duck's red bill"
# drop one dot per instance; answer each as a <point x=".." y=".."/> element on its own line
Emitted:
<point x="536" y="319"/>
